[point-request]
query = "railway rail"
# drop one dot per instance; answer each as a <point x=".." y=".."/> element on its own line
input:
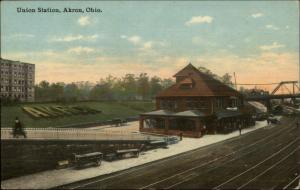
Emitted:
<point x="169" y="182"/>
<point x="240" y="175"/>
<point x="200" y="163"/>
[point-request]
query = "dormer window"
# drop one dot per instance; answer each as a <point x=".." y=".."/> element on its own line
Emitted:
<point x="187" y="83"/>
<point x="179" y="79"/>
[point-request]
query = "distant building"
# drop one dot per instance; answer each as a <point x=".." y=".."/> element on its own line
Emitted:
<point x="195" y="105"/>
<point x="17" y="80"/>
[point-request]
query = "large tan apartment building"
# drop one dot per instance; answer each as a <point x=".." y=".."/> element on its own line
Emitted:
<point x="17" y="80"/>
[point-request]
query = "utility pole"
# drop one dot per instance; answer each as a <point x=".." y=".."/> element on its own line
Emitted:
<point x="235" y="81"/>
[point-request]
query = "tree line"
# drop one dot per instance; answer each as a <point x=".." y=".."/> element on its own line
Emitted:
<point x="128" y="87"/>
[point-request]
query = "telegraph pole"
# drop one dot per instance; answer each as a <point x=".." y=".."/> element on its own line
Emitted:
<point x="235" y="81"/>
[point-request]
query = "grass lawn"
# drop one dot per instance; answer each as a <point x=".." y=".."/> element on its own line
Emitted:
<point x="109" y="110"/>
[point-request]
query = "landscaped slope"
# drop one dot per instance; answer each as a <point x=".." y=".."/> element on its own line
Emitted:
<point x="109" y="110"/>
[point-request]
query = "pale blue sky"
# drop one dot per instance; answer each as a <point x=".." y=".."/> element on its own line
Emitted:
<point x="154" y="37"/>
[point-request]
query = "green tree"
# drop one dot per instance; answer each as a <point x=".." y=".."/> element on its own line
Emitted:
<point x="129" y="85"/>
<point x="84" y="88"/>
<point x="143" y="87"/>
<point x="165" y="83"/>
<point x="226" y="78"/>
<point x="57" y="91"/>
<point x="155" y="86"/>
<point x="71" y="92"/>
<point x="42" y="91"/>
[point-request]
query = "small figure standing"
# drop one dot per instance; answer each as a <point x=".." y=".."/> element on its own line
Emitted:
<point x="18" y="129"/>
<point x="181" y="134"/>
<point x="240" y="129"/>
<point x="204" y="129"/>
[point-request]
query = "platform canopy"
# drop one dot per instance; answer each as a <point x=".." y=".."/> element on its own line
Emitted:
<point x="188" y="113"/>
<point x="228" y="113"/>
<point x="159" y="113"/>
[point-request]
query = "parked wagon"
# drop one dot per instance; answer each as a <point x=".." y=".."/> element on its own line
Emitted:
<point x="156" y="144"/>
<point x="94" y="158"/>
<point x="273" y="120"/>
<point x="122" y="154"/>
<point x="172" y="140"/>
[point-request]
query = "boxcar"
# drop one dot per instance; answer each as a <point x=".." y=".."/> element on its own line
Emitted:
<point x="88" y="159"/>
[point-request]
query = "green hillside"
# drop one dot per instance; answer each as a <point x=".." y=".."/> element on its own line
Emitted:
<point x="110" y="110"/>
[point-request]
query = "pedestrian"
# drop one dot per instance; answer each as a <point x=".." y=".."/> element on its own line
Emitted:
<point x="240" y="129"/>
<point x="204" y="129"/>
<point x="181" y="134"/>
<point x="18" y="129"/>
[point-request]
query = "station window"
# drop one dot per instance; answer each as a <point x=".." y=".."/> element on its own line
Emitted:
<point x="168" y="104"/>
<point x="219" y="103"/>
<point x="196" y="104"/>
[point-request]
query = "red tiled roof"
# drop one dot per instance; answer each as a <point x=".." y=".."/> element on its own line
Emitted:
<point x="204" y="85"/>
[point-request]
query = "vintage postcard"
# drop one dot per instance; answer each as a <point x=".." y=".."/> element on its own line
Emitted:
<point x="150" y="95"/>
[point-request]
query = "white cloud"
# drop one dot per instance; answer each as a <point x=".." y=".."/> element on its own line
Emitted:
<point x="148" y="45"/>
<point x="142" y="44"/>
<point x="274" y="45"/>
<point x="84" y="21"/>
<point x="134" y="39"/>
<point x="272" y="27"/>
<point x="70" y="38"/>
<point x="199" y="20"/>
<point x="81" y="49"/>
<point x="257" y="15"/>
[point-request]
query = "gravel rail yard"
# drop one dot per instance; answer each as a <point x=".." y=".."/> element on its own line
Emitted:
<point x="266" y="158"/>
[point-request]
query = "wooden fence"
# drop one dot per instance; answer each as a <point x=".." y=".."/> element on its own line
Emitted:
<point x="77" y="134"/>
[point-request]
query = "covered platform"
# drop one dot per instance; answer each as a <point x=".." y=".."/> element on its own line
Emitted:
<point x="194" y="123"/>
<point x="230" y="120"/>
<point x="189" y="123"/>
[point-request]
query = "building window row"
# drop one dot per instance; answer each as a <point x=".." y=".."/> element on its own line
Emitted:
<point x="196" y="105"/>
<point x="168" y="105"/>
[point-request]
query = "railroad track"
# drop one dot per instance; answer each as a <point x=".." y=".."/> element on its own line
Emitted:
<point x="183" y="175"/>
<point x="281" y="154"/>
<point x="247" y="185"/>
<point x="219" y="163"/>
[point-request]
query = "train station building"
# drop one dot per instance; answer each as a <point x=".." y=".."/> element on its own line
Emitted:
<point x="195" y="105"/>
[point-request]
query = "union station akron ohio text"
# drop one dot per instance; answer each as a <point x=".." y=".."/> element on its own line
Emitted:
<point x="195" y="105"/>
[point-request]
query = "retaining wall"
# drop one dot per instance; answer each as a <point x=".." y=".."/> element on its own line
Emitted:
<point x="21" y="157"/>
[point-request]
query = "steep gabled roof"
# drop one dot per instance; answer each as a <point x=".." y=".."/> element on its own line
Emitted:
<point x="186" y="70"/>
<point x="204" y="85"/>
